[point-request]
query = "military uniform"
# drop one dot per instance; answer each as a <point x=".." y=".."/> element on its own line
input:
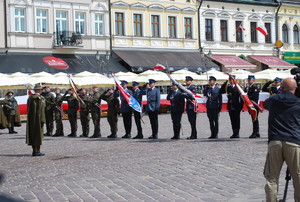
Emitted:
<point x="72" y="113"/>
<point x="177" y="108"/>
<point x="58" y="113"/>
<point x="35" y="122"/>
<point x="192" y="115"/>
<point x="95" y="108"/>
<point x="84" y="115"/>
<point x="253" y="94"/>
<point x="49" y="112"/>
<point x="273" y="90"/>
<point x="112" y="112"/>
<point x="138" y="95"/>
<point x="152" y="108"/>
<point x="3" y="119"/>
<point x="213" y="107"/>
<point x="234" y="106"/>
<point x="12" y="113"/>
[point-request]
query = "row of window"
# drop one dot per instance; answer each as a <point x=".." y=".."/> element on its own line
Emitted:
<point x="61" y="21"/>
<point x="285" y="34"/>
<point x="239" y="29"/>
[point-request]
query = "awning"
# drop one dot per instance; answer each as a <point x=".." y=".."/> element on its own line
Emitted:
<point x="140" y="61"/>
<point x="292" y="57"/>
<point x="233" y="62"/>
<point x="272" y="62"/>
<point x="33" y="63"/>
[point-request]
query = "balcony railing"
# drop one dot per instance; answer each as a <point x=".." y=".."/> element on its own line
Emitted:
<point x="67" y="38"/>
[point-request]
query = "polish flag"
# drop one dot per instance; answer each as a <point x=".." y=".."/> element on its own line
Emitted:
<point x="241" y="27"/>
<point x="159" y="66"/>
<point x="262" y="29"/>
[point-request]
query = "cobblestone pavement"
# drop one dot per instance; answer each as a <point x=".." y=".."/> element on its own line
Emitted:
<point x="83" y="169"/>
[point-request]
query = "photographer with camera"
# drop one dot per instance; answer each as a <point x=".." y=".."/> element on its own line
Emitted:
<point x="284" y="138"/>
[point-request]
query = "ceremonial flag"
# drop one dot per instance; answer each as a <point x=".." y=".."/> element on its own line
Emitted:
<point x="241" y="27"/>
<point x="262" y="29"/>
<point x="249" y="104"/>
<point x="75" y="89"/>
<point x="159" y="66"/>
<point x="132" y="102"/>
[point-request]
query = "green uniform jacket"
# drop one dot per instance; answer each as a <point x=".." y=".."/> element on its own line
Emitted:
<point x="7" y="109"/>
<point x="94" y="99"/>
<point x="58" y="102"/>
<point x="86" y="106"/>
<point x="50" y="101"/>
<point x="35" y="119"/>
<point x="72" y="103"/>
<point x="112" y="102"/>
<point x="3" y="120"/>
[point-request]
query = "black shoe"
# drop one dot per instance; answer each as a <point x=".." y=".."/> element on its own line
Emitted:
<point x="235" y="136"/>
<point x="95" y="136"/>
<point x="10" y="132"/>
<point x="258" y="135"/>
<point x="72" y="135"/>
<point x="14" y="131"/>
<point x="213" y="137"/>
<point x="112" y="136"/>
<point x="175" y="138"/>
<point x="139" y="137"/>
<point x="83" y="135"/>
<point x="152" y="137"/>
<point x="38" y="154"/>
<point x="57" y="135"/>
<point x="192" y="137"/>
<point x="127" y="136"/>
<point x="252" y="136"/>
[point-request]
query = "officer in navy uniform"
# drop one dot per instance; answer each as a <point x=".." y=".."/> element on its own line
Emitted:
<point x="177" y="108"/>
<point x="190" y="108"/>
<point x="126" y="110"/>
<point x="138" y="95"/>
<point x="253" y="94"/>
<point x="153" y="106"/>
<point x="213" y="106"/>
<point x="234" y="105"/>
<point x="273" y="87"/>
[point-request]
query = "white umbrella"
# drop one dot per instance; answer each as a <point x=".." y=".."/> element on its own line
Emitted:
<point x="267" y="74"/>
<point x="241" y="74"/>
<point x="41" y="77"/>
<point x="181" y="74"/>
<point x="217" y="74"/>
<point x="128" y="76"/>
<point x="160" y="77"/>
<point x="88" y="79"/>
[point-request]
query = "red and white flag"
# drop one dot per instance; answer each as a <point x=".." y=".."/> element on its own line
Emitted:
<point x="159" y="66"/>
<point x="241" y="27"/>
<point x="262" y="29"/>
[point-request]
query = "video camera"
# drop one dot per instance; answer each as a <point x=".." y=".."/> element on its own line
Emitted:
<point x="296" y="71"/>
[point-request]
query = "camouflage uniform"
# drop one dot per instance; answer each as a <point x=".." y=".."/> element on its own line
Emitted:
<point x="72" y="113"/>
<point x="84" y="116"/>
<point x="95" y="107"/>
<point x="58" y="113"/>
<point x="49" y="112"/>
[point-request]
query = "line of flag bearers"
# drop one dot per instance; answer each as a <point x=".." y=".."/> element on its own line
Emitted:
<point x="47" y="108"/>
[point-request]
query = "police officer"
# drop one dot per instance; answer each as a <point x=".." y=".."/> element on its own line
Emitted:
<point x="95" y="107"/>
<point x="58" y="114"/>
<point x="273" y="87"/>
<point x="138" y="95"/>
<point x="234" y="105"/>
<point x="112" y="111"/>
<point x="84" y="113"/>
<point x="126" y="110"/>
<point x="213" y="106"/>
<point x="49" y="109"/>
<point x="72" y="111"/>
<point x="153" y="106"/>
<point x="177" y="108"/>
<point x="12" y="112"/>
<point x="253" y="94"/>
<point x="190" y="108"/>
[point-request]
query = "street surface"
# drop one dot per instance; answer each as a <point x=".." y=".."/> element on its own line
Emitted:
<point x="83" y="169"/>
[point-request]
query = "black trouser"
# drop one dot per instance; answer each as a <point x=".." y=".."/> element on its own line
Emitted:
<point x="96" y="121"/>
<point x="137" y="119"/>
<point x="112" y="118"/>
<point x="153" y="116"/>
<point x="72" y="115"/>
<point x="127" y="121"/>
<point x="256" y="125"/>
<point x="213" y="116"/>
<point x="235" y="119"/>
<point x="58" y="122"/>
<point x="176" y="119"/>
<point x="49" y="114"/>
<point x="85" y="122"/>
<point x="192" y="117"/>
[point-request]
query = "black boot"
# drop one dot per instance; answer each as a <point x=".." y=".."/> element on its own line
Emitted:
<point x="10" y="130"/>
<point x="13" y="130"/>
<point x="235" y="133"/>
<point x="139" y="136"/>
<point x="95" y="136"/>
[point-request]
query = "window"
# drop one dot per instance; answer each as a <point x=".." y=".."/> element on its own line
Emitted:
<point x="119" y="24"/>
<point x="268" y="37"/>
<point x="285" y="34"/>
<point x="224" y="30"/>
<point x="41" y="21"/>
<point x="155" y="26"/>
<point x="79" y="23"/>
<point x="253" y="26"/>
<point x="20" y="20"/>
<point x="61" y="21"/>
<point x="239" y="31"/>
<point x="137" y="23"/>
<point x="296" y="34"/>
<point x="99" y="24"/>
<point x="188" y="28"/>
<point x="172" y="27"/>
<point x="209" y="30"/>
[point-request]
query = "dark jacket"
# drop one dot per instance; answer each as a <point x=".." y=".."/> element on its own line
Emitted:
<point x="72" y="103"/>
<point x="153" y="99"/>
<point x="235" y="102"/>
<point x="272" y="90"/>
<point x="50" y="101"/>
<point x="125" y="108"/>
<point x="95" y="102"/>
<point x="284" y="117"/>
<point x="176" y="100"/>
<point x="214" y="98"/>
<point x="189" y="104"/>
<point x="253" y="93"/>
<point x="112" y="102"/>
<point x="138" y="95"/>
